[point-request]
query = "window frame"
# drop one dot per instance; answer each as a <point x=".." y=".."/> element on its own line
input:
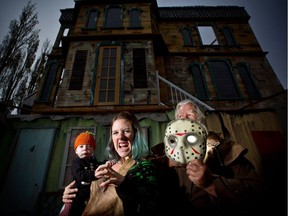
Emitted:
<point x="98" y="77"/>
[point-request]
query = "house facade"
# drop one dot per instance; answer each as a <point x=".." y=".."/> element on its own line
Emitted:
<point x="111" y="56"/>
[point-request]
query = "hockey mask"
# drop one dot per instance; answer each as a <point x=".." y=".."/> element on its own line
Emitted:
<point x="185" y="140"/>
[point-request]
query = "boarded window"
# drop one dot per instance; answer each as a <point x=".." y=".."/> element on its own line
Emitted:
<point x="200" y="82"/>
<point x="223" y="80"/>
<point x="78" y="70"/>
<point x="139" y="68"/>
<point x="48" y="83"/>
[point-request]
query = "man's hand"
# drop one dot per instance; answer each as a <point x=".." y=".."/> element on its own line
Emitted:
<point x="199" y="173"/>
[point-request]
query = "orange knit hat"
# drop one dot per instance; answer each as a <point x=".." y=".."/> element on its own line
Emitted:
<point x="85" y="138"/>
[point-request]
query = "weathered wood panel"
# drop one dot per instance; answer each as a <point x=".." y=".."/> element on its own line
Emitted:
<point x="240" y="125"/>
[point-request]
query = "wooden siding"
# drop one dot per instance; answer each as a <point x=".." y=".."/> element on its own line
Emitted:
<point x="241" y="126"/>
<point x="70" y="98"/>
<point x="79" y="29"/>
<point x="81" y="97"/>
<point x="242" y="33"/>
<point x="176" y="70"/>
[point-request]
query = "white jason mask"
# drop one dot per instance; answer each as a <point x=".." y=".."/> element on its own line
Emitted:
<point x="185" y="140"/>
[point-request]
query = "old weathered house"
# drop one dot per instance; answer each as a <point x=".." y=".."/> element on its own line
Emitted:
<point x="111" y="56"/>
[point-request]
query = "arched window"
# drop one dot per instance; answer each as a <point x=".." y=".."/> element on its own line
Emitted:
<point x="48" y="82"/>
<point x="223" y="79"/>
<point x="92" y="19"/>
<point x="248" y="80"/>
<point x="230" y="41"/>
<point x="135" y="18"/>
<point x="187" y="36"/>
<point x="199" y="81"/>
<point x="113" y="18"/>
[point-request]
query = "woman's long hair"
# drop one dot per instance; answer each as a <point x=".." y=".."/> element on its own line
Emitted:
<point x="139" y="146"/>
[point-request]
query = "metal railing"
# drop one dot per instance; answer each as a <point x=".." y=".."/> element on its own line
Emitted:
<point x="177" y="94"/>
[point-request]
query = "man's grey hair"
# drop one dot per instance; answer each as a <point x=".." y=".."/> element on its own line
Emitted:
<point x="199" y="113"/>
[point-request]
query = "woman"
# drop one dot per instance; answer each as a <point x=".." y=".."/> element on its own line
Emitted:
<point x="129" y="186"/>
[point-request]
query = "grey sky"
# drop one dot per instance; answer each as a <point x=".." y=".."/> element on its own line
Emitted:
<point x="268" y="21"/>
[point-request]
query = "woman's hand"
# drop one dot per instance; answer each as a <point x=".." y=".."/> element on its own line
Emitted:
<point x="109" y="174"/>
<point x="69" y="193"/>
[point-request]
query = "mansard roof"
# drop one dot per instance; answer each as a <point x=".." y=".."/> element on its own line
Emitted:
<point x="180" y="13"/>
<point x="66" y="15"/>
<point x="203" y="12"/>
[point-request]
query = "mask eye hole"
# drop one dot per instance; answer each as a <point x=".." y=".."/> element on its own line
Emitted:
<point x="172" y="140"/>
<point x="191" y="139"/>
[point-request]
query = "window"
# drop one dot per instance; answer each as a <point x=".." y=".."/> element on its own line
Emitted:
<point x="66" y="32"/>
<point x="199" y="81"/>
<point x="230" y="41"/>
<point x="113" y="17"/>
<point x="78" y="70"/>
<point x="48" y="82"/>
<point x="248" y="80"/>
<point x="187" y="36"/>
<point x="108" y="76"/>
<point x="207" y="34"/>
<point x="92" y="19"/>
<point x="69" y="154"/>
<point x="223" y="79"/>
<point x="135" y="19"/>
<point x="139" y="68"/>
